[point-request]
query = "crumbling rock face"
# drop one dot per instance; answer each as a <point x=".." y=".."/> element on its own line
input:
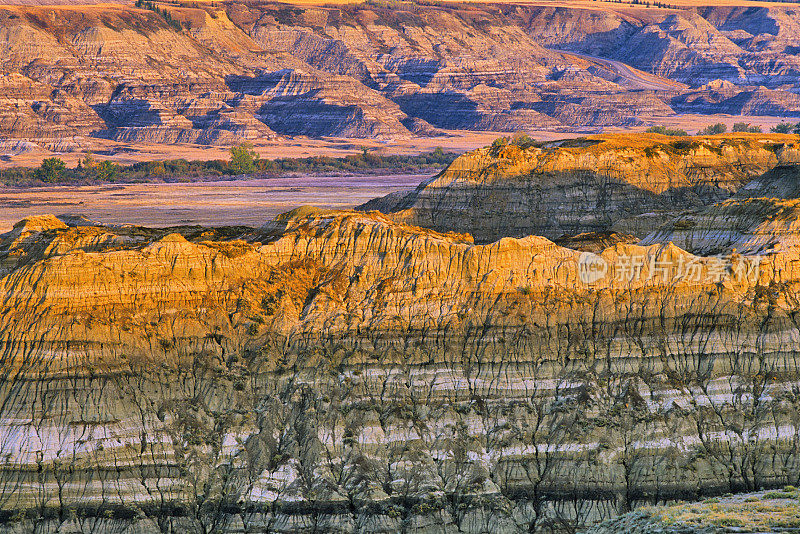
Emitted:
<point x="630" y="184"/>
<point x="724" y="97"/>
<point x="340" y="372"/>
<point x="747" y="46"/>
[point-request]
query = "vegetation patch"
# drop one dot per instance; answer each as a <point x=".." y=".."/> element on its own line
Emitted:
<point x="755" y="512"/>
<point x="171" y="22"/>
<point x="663" y="130"/>
<point x="244" y="161"/>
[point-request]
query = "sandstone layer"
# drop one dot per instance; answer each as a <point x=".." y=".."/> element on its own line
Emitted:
<point x="223" y="72"/>
<point x="343" y="372"/>
<point x="627" y="183"/>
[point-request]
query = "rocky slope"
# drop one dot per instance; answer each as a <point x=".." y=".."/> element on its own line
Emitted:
<point x="759" y="218"/>
<point x="744" y="45"/>
<point x="769" y="512"/>
<point x="230" y="71"/>
<point x="343" y="372"/>
<point x="628" y="183"/>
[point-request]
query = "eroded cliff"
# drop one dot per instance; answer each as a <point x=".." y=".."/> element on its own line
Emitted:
<point x="218" y="73"/>
<point x="627" y="183"/>
<point x="342" y="372"/>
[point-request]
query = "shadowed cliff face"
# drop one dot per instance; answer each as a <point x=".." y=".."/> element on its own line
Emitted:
<point x="626" y="183"/>
<point x="341" y="372"/>
<point x="227" y="71"/>
<point x="760" y="218"/>
<point x="695" y="46"/>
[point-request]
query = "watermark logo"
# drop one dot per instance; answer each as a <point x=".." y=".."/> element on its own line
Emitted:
<point x="591" y="268"/>
<point x="692" y="269"/>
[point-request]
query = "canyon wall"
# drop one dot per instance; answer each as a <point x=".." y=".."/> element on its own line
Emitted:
<point x="224" y="72"/>
<point x="343" y="372"/>
<point x="626" y="183"/>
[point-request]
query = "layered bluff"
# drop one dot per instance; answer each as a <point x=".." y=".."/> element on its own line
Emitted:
<point x="338" y="371"/>
<point x="218" y="73"/>
<point x="624" y="183"/>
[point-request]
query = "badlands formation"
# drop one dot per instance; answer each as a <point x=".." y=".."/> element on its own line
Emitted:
<point x="599" y="184"/>
<point x="219" y="72"/>
<point x="345" y="371"/>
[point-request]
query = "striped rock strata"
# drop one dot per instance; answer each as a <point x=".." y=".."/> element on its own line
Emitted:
<point x="341" y="372"/>
<point x="627" y="183"/>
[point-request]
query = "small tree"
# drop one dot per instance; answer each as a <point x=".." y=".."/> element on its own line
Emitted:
<point x="51" y="170"/>
<point x="746" y="127"/>
<point x="87" y="161"/>
<point x="663" y="130"/>
<point x="243" y="159"/>
<point x="498" y="144"/>
<point x="783" y="128"/>
<point x="522" y="140"/>
<point x="713" y="129"/>
<point x="107" y="171"/>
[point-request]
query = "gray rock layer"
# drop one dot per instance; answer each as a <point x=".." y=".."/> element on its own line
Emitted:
<point x="631" y="184"/>
<point x="340" y="372"/>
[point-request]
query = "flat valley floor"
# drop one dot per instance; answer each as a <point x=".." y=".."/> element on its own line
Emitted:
<point x="219" y="203"/>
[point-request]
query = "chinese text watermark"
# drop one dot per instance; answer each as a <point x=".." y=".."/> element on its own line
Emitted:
<point x="634" y="268"/>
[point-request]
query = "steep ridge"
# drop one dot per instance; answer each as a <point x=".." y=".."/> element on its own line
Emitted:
<point x="341" y="372"/>
<point x="748" y="46"/>
<point x="149" y="82"/>
<point x="628" y="183"/>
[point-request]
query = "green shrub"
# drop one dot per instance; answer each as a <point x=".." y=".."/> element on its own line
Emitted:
<point x="778" y="495"/>
<point x="243" y="159"/>
<point x="51" y="170"/>
<point x="498" y="145"/>
<point x="522" y="140"/>
<point x="663" y="130"/>
<point x="728" y="521"/>
<point x="785" y="522"/>
<point x="107" y="171"/>
<point x="782" y="128"/>
<point x="89" y="170"/>
<point x="394" y="512"/>
<point x="713" y="129"/>
<point x="746" y="127"/>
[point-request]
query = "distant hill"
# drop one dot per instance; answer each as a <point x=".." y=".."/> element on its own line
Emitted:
<point x="219" y="72"/>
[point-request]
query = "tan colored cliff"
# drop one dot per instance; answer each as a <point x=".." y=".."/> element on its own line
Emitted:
<point x="221" y="72"/>
<point x="629" y="183"/>
<point x="345" y="372"/>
